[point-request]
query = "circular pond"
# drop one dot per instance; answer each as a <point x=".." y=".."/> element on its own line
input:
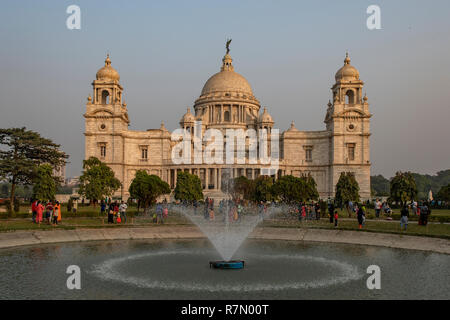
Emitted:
<point x="179" y="269"/>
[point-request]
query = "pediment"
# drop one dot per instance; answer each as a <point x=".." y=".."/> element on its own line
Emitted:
<point x="351" y="113"/>
<point x="101" y="113"/>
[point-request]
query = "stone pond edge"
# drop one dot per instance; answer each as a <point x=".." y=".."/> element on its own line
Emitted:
<point x="35" y="237"/>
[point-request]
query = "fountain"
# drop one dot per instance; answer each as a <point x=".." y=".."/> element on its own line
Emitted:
<point x="228" y="225"/>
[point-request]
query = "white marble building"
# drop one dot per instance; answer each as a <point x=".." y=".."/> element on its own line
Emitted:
<point x="227" y="101"/>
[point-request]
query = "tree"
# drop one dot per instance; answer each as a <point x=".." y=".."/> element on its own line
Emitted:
<point x="347" y="189"/>
<point x="263" y="189"/>
<point x="444" y="193"/>
<point x="189" y="187"/>
<point x="426" y="182"/>
<point x="45" y="184"/>
<point x="147" y="188"/>
<point x="289" y="188"/>
<point x="97" y="180"/>
<point x="311" y="188"/>
<point x="293" y="189"/>
<point x="23" y="151"/>
<point x="379" y="185"/>
<point x="4" y="190"/>
<point x="240" y="187"/>
<point x="403" y="187"/>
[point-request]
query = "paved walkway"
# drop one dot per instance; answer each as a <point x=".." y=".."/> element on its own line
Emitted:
<point x="23" y="238"/>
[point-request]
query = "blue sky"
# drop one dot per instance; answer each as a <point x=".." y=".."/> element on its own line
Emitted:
<point x="289" y="51"/>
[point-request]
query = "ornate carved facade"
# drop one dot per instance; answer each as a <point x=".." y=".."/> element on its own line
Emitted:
<point x="227" y="101"/>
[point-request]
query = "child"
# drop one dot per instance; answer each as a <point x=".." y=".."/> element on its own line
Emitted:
<point x="336" y="216"/>
<point x="48" y="212"/>
<point x="119" y="220"/>
<point x="55" y="213"/>
<point x="211" y="215"/>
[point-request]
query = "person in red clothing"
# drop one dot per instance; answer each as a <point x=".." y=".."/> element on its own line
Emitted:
<point x="116" y="209"/>
<point x="39" y="212"/>
<point x="303" y="212"/>
<point x="336" y="216"/>
<point x="33" y="210"/>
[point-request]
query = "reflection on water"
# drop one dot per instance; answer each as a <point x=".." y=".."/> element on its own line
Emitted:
<point x="169" y="269"/>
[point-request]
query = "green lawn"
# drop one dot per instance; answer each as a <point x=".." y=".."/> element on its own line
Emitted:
<point x="89" y="217"/>
<point x="431" y="229"/>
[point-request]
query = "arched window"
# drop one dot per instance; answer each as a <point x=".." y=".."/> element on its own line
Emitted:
<point x="349" y="97"/>
<point x="105" y="97"/>
<point x="226" y="116"/>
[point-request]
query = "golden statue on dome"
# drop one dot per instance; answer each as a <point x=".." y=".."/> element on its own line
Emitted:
<point x="228" y="45"/>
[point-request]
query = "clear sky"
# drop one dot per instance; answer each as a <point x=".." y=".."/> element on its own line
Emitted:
<point x="289" y="51"/>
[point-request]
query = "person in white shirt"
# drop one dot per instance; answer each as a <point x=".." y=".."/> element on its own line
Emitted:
<point x="377" y="208"/>
<point x="123" y="211"/>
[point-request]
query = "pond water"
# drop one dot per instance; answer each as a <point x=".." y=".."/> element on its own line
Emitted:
<point x="179" y="269"/>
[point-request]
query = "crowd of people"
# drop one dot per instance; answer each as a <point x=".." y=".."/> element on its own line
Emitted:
<point x="233" y="209"/>
<point x="228" y="209"/>
<point x="422" y="210"/>
<point x="48" y="211"/>
<point x="162" y="212"/>
<point x="117" y="213"/>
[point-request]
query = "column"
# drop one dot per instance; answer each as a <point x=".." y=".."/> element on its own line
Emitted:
<point x="206" y="178"/>
<point x="220" y="178"/>
<point x="175" y="171"/>
<point x="217" y="179"/>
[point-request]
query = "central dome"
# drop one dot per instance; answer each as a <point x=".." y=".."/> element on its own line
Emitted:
<point x="227" y="80"/>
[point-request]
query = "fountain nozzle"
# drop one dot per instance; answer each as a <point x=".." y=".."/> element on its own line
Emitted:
<point x="232" y="264"/>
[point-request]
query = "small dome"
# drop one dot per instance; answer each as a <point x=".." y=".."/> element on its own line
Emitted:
<point x="347" y="72"/>
<point x="265" y="117"/>
<point x="107" y="72"/>
<point x="227" y="80"/>
<point x="188" y="117"/>
<point x="292" y="128"/>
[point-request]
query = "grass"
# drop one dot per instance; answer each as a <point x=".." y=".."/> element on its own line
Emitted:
<point x="438" y="230"/>
<point x="88" y="217"/>
<point x="81" y="221"/>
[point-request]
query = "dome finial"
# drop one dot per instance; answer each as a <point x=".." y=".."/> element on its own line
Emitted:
<point x="227" y="63"/>
<point x="162" y="127"/>
<point x="347" y="58"/>
<point x="107" y="60"/>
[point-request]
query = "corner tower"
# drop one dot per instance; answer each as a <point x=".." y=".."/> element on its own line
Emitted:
<point x="348" y="121"/>
<point x="106" y="119"/>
